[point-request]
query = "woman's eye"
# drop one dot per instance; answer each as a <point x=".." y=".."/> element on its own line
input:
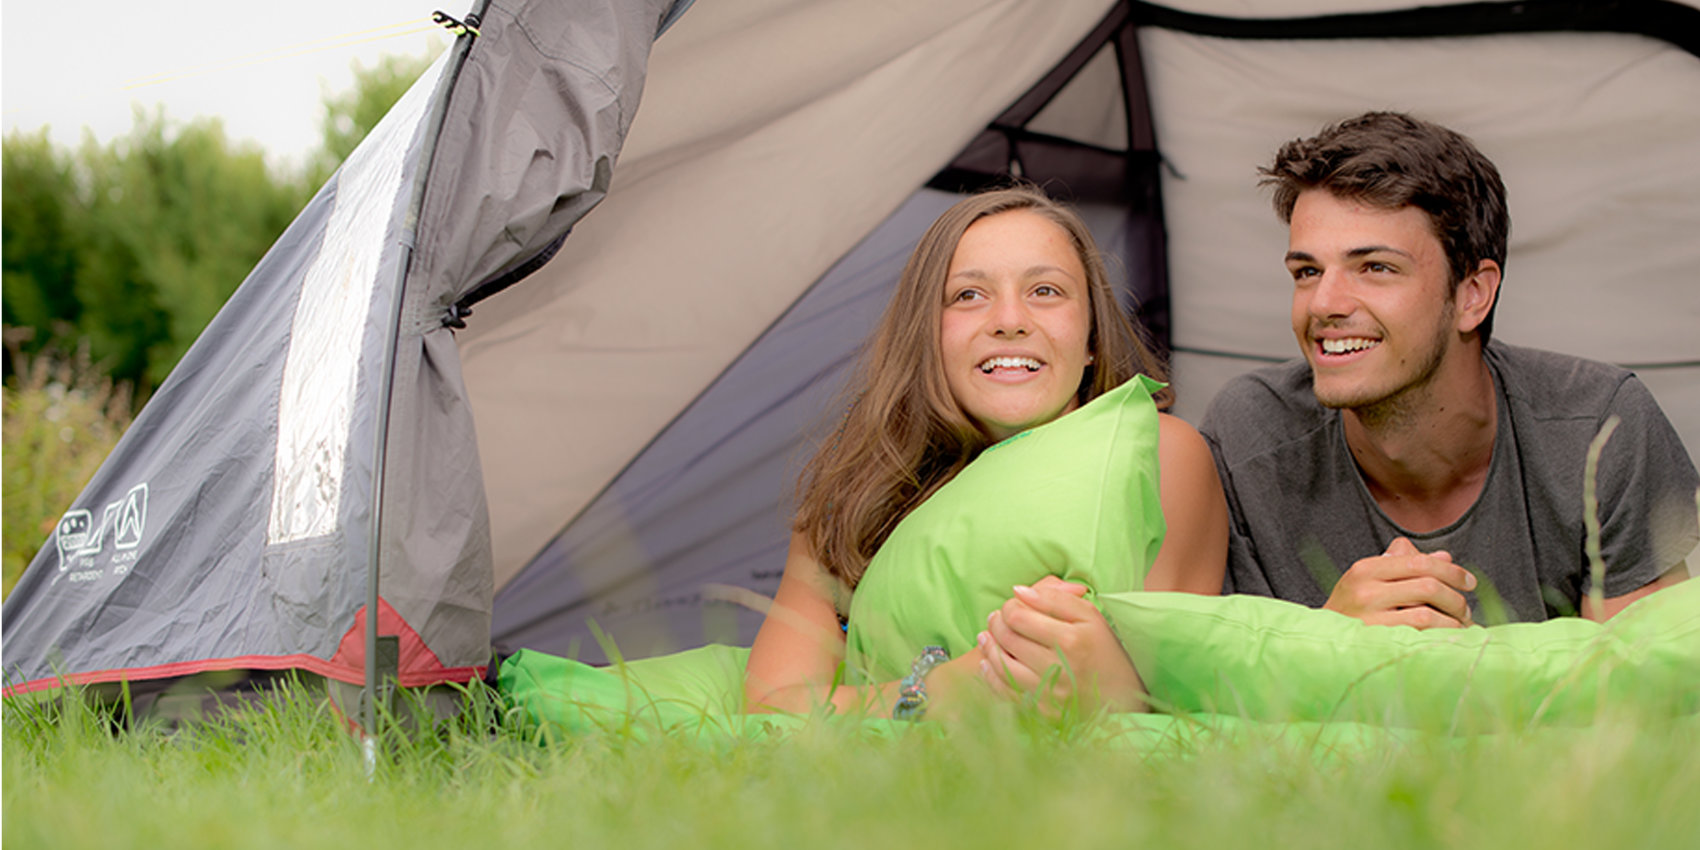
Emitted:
<point x="1046" y="289"/>
<point x="966" y="295"/>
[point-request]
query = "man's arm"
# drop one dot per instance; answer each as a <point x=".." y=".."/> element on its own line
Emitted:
<point x="1609" y="607"/>
<point x="1648" y="503"/>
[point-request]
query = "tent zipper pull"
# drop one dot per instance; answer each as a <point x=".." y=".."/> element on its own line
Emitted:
<point x="470" y="25"/>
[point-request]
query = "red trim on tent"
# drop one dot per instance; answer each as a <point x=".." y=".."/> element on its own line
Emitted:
<point x="419" y="666"/>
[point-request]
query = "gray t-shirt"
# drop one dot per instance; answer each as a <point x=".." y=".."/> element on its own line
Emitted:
<point x="1300" y="513"/>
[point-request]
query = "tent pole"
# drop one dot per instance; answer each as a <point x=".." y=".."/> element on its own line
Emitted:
<point x="427" y="151"/>
<point x="375" y="544"/>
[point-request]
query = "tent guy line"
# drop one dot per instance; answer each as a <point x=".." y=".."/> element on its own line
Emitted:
<point x="350" y="39"/>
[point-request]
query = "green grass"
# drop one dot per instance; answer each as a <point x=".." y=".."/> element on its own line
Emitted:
<point x="287" y="774"/>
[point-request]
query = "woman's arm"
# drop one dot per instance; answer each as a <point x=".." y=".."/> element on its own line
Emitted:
<point x="1051" y="622"/>
<point x="1195" y="547"/>
<point x="800" y="646"/>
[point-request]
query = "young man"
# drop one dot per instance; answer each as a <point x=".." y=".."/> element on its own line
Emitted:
<point x="1407" y="470"/>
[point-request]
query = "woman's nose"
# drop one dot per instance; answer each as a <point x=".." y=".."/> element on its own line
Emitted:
<point x="1010" y="318"/>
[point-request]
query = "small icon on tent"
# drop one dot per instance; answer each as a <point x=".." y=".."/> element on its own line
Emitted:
<point x="132" y="517"/>
<point x="73" y="534"/>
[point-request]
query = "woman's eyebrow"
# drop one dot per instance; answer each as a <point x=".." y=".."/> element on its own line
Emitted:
<point x="1032" y="271"/>
<point x="1040" y="270"/>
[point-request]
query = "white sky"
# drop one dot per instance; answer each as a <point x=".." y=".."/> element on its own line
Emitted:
<point x="262" y="68"/>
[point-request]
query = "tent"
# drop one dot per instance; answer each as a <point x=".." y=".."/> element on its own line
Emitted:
<point x="433" y="423"/>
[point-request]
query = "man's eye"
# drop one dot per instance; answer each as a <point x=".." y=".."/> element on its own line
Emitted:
<point x="1304" y="272"/>
<point x="1378" y="268"/>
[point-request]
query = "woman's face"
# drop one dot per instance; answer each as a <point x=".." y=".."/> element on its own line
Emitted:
<point x="1016" y="322"/>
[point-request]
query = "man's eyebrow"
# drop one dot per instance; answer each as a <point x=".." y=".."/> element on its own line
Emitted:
<point x="1376" y="249"/>
<point x="1302" y="257"/>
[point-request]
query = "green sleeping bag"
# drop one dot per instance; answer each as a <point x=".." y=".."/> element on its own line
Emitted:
<point x="1272" y="660"/>
<point x="1077" y="498"/>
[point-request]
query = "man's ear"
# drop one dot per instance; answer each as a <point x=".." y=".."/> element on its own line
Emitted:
<point x="1474" y="297"/>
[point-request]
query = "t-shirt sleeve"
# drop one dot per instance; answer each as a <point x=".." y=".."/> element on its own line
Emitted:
<point x="1649" y="520"/>
<point x="1225" y="420"/>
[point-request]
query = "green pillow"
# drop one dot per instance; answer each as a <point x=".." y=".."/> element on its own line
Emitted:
<point x="1075" y="498"/>
<point x="1266" y="659"/>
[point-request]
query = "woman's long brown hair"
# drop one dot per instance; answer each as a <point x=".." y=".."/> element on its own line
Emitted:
<point x="904" y="435"/>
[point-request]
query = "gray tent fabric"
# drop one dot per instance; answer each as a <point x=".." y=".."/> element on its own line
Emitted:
<point x="233" y="525"/>
<point x="229" y="527"/>
<point x="535" y="121"/>
<point x="605" y="446"/>
<point x="532" y="132"/>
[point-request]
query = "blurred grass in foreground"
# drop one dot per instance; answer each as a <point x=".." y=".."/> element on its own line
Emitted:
<point x="62" y="416"/>
<point x="286" y="773"/>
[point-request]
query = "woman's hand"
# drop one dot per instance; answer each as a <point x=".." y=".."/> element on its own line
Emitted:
<point x="1048" y="639"/>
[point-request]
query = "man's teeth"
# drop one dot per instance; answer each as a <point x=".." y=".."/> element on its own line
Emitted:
<point x="1341" y="346"/>
<point x="1027" y="363"/>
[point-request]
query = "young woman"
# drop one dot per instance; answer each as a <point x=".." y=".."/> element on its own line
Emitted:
<point x="1003" y="320"/>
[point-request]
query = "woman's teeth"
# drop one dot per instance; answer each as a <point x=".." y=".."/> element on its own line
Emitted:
<point x="1027" y="363"/>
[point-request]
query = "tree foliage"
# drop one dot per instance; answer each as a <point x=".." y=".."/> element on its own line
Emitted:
<point x="131" y="247"/>
<point x="349" y="116"/>
<point x="135" y="244"/>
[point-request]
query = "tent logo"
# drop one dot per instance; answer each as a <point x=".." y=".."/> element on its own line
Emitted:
<point x="132" y="517"/>
<point x="78" y="536"/>
<point x="74" y="537"/>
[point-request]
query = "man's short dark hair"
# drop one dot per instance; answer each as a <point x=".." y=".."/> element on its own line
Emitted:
<point x="1392" y="160"/>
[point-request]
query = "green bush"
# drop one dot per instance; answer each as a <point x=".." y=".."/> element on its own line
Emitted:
<point x="62" y="416"/>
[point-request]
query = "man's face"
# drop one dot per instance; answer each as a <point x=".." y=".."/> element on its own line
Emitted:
<point x="1372" y="299"/>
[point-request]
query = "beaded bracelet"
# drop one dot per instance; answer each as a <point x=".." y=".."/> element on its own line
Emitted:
<point x="912" y="691"/>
